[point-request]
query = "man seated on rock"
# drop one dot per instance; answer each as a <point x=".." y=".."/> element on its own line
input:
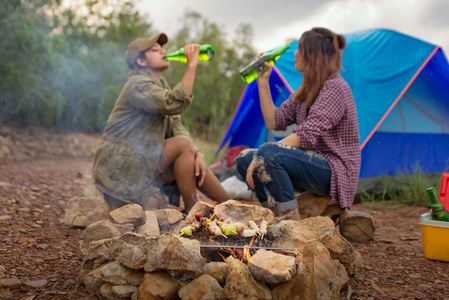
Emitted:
<point x="144" y="143"/>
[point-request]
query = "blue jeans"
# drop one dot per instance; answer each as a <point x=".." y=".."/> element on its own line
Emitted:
<point x="282" y="170"/>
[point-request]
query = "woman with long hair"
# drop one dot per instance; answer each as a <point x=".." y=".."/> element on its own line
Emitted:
<point x="322" y="154"/>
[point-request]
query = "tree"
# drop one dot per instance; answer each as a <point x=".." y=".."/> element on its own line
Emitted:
<point x="218" y="85"/>
<point x="64" y="66"/>
<point x="26" y="91"/>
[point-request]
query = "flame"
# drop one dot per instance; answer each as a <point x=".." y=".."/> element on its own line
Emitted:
<point x="230" y="250"/>
<point x="212" y="217"/>
<point x="246" y="252"/>
<point x="242" y="255"/>
<point x="224" y="258"/>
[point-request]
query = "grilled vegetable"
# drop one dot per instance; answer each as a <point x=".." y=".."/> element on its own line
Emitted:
<point x="205" y="221"/>
<point x="198" y="216"/>
<point x="230" y="230"/>
<point x="187" y="231"/>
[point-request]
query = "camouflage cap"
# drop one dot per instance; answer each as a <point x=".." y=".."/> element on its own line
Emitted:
<point x="142" y="44"/>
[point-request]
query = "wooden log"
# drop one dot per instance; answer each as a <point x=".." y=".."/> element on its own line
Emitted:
<point x="357" y="226"/>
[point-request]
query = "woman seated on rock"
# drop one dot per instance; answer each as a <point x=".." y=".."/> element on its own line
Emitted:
<point x="322" y="154"/>
<point x="144" y="143"/>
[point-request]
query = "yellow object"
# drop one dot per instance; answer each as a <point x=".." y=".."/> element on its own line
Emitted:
<point x="435" y="238"/>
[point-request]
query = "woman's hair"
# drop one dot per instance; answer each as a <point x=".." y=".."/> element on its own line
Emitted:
<point x="135" y="65"/>
<point x="320" y="50"/>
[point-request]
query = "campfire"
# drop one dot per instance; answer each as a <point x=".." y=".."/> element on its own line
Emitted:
<point x="225" y="251"/>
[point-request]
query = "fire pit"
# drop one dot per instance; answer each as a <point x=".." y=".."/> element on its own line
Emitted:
<point x="277" y="238"/>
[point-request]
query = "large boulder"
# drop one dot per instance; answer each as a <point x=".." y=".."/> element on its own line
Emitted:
<point x="84" y="211"/>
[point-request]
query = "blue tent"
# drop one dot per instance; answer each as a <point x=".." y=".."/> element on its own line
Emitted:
<point x="401" y="88"/>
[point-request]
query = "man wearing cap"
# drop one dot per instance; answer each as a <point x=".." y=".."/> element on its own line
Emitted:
<point x="144" y="143"/>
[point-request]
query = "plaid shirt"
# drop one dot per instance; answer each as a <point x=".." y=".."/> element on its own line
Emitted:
<point x="330" y="128"/>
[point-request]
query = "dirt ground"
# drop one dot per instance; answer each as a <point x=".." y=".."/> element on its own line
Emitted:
<point x="36" y="247"/>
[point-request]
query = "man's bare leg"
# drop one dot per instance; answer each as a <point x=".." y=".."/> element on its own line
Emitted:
<point x="177" y="163"/>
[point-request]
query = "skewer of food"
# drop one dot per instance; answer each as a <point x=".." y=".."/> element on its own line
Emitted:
<point x="189" y="229"/>
<point x="254" y="226"/>
<point x="263" y="228"/>
<point x="225" y="227"/>
<point x="214" y="228"/>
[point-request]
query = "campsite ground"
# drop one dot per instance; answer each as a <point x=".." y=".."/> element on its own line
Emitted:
<point x="39" y="173"/>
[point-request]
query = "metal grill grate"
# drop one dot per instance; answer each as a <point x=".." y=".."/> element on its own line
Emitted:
<point x="277" y="238"/>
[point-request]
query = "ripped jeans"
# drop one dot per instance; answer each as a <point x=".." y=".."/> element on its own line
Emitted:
<point x="282" y="170"/>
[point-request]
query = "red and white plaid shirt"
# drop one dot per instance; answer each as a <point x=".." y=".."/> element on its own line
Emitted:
<point x="331" y="128"/>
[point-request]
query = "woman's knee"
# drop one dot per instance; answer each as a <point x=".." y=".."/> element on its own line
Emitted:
<point x="244" y="159"/>
<point x="267" y="150"/>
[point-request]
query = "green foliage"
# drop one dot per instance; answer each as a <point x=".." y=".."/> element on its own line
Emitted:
<point x="64" y="66"/>
<point x="218" y="85"/>
<point x="405" y="189"/>
<point x="61" y="68"/>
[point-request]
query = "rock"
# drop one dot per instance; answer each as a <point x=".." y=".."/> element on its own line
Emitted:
<point x="158" y="285"/>
<point x="6" y="294"/>
<point x="340" y="248"/>
<point x="166" y="252"/>
<point x="241" y="285"/>
<point x="305" y="230"/>
<point x="130" y="213"/>
<point x="100" y="230"/>
<point x="312" y="205"/>
<point x="173" y="253"/>
<point x="201" y="288"/>
<point x="125" y="228"/>
<point x="131" y="253"/>
<point x="36" y="283"/>
<point x="202" y="207"/>
<point x="113" y="273"/>
<point x="238" y="212"/>
<point x="5" y="218"/>
<point x="117" y="274"/>
<point x="84" y="211"/>
<point x="357" y="226"/>
<point x="97" y="250"/>
<point x="12" y="283"/>
<point x="34" y="188"/>
<point x="218" y="270"/>
<point x="168" y="216"/>
<point x="318" y="277"/>
<point x="271" y="267"/>
<point x="151" y="226"/>
<point x="106" y="291"/>
<point x="113" y="292"/>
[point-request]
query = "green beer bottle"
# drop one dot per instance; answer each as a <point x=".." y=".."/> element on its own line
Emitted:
<point x="206" y="53"/>
<point x="438" y="212"/>
<point x="257" y="68"/>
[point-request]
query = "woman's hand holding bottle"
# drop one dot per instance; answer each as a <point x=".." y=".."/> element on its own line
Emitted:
<point x="265" y="75"/>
